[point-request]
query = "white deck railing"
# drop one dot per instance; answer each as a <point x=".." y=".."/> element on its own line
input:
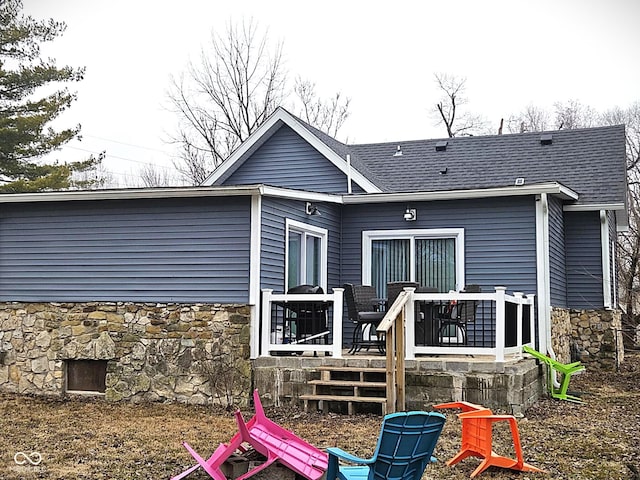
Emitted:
<point x="274" y="335"/>
<point x="490" y="323"/>
<point x="491" y="319"/>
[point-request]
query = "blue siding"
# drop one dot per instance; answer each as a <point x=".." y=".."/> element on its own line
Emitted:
<point x="584" y="260"/>
<point x="275" y="211"/>
<point x="287" y="160"/>
<point x="558" y="274"/>
<point x="160" y="251"/>
<point x="500" y="247"/>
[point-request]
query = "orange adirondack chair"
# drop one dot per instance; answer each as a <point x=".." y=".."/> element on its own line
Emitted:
<point x="477" y="424"/>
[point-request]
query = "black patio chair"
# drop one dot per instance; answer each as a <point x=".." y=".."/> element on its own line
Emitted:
<point x="394" y="289"/>
<point x="363" y="308"/>
<point x="308" y="319"/>
<point x="456" y="317"/>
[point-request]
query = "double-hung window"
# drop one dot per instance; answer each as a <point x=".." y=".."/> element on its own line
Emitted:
<point x="306" y="255"/>
<point x="433" y="258"/>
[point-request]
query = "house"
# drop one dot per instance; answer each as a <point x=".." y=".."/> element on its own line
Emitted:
<point x="127" y="291"/>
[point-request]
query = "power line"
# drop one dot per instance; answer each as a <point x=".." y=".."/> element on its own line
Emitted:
<point x="118" y="157"/>
<point x="125" y="143"/>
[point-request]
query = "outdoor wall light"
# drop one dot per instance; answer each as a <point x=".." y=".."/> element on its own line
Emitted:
<point x="410" y="214"/>
<point x="311" y="209"/>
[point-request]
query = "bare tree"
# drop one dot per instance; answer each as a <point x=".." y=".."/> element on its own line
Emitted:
<point x="237" y="83"/>
<point x="448" y="109"/>
<point x="629" y="242"/>
<point x="225" y="97"/>
<point x="572" y="114"/>
<point x="154" y="176"/>
<point x="326" y="115"/>
<point x="531" y="119"/>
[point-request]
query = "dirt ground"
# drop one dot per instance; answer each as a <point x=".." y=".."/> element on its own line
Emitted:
<point x="90" y="439"/>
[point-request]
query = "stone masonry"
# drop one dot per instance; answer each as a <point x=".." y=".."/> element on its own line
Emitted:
<point x="154" y="352"/>
<point x="595" y="336"/>
<point x="598" y="337"/>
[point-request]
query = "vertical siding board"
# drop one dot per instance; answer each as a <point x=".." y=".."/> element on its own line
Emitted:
<point x="558" y="275"/>
<point x="287" y="160"/>
<point x="583" y="260"/>
<point x="161" y="251"/>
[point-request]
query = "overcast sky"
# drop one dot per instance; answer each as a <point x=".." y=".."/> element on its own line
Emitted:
<point x="381" y="54"/>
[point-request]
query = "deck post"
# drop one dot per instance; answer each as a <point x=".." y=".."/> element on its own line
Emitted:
<point x="519" y="296"/>
<point x="500" y="323"/>
<point x="391" y="370"/>
<point x="532" y="324"/>
<point x="265" y="321"/>
<point x="400" y="365"/>
<point x="410" y="325"/>
<point x="338" y="295"/>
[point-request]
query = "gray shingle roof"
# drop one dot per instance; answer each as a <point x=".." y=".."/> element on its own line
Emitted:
<point x="589" y="161"/>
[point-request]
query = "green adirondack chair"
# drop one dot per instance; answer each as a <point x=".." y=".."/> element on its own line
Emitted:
<point x="566" y="370"/>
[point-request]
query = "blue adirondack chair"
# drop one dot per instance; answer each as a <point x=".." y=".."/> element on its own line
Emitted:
<point x="404" y="450"/>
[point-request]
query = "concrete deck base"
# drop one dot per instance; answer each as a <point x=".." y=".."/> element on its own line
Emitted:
<point x="509" y="387"/>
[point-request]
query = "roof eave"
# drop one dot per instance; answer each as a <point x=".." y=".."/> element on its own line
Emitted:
<point x="167" y="193"/>
<point x="131" y="194"/>
<point x="552" y="188"/>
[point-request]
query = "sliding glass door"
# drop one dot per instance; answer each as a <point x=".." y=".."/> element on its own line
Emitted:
<point x="430" y="258"/>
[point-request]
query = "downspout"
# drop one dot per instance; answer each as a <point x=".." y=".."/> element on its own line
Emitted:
<point x="606" y="259"/>
<point x="254" y="274"/>
<point x="349" y="191"/>
<point x="544" y="281"/>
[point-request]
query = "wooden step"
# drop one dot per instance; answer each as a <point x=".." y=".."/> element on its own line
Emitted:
<point x="344" y="398"/>
<point x="349" y="400"/>
<point x="347" y="383"/>
<point x="356" y="383"/>
<point x="352" y="369"/>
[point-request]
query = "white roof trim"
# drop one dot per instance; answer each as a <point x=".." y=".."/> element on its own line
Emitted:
<point x="131" y="193"/>
<point x="301" y="195"/>
<point x="280" y="192"/>
<point x="281" y="115"/>
<point x="552" y="188"/>
<point x="178" y="192"/>
<point x="594" y="206"/>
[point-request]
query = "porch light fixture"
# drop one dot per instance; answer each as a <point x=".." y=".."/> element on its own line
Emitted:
<point x="311" y="209"/>
<point x="410" y="214"/>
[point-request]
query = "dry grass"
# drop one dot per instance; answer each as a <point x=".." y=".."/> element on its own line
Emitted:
<point x="95" y="440"/>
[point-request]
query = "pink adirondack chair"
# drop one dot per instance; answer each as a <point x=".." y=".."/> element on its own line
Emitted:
<point x="270" y="440"/>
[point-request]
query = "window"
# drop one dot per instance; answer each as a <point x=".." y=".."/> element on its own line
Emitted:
<point x="86" y="375"/>
<point x="433" y="258"/>
<point x="306" y="255"/>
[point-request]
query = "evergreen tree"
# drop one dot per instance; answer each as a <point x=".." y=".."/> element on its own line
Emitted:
<point x="25" y="116"/>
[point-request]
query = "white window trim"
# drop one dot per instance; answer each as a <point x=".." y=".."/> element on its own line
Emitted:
<point x="322" y="233"/>
<point x="433" y="233"/>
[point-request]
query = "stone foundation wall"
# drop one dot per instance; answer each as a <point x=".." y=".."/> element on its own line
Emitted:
<point x="154" y="352"/>
<point x="598" y="337"/>
<point x="561" y="334"/>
